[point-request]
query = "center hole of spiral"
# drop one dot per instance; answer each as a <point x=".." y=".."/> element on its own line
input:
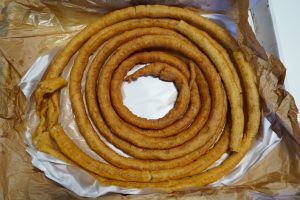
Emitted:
<point x="149" y="97"/>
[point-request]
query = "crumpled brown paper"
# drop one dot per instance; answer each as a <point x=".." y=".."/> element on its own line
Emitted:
<point x="31" y="27"/>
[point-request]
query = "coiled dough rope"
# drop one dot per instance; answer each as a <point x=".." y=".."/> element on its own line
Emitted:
<point x="172" y="152"/>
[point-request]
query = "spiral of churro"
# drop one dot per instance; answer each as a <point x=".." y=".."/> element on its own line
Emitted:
<point x="215" y="87"/>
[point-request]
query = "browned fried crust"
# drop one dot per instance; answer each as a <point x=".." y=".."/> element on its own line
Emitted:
<point x="172" y="153"/>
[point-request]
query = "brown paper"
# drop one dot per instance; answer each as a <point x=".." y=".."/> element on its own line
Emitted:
<point x="31" y="27"/>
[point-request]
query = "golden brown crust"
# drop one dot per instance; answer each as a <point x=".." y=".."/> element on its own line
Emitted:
<point x="166" y="73"/>
<point x="118" y="126"/>
<point x="203" y="71"/>
<point x="227" y="75"/>
<point x="164" y="57"/>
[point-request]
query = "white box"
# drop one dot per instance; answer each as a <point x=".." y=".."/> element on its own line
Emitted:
<point x="278" y="30"/>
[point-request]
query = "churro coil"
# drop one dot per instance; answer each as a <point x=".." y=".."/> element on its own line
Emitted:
<point x="215" y="85"/>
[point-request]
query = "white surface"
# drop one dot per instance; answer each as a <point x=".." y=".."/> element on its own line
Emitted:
<point x="144" y="99"/>
<point x="286" y="15"/>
